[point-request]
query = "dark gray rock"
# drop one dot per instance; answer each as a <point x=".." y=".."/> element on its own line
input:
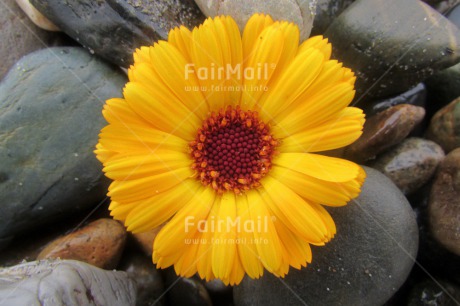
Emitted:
<point x="148" y="280"/>
<point x="444" y="203"/>
<point x="365" y="264"/>
<point x="64" y="282"/>
<point x="444" y="127"/>
<point x="326" y="12"/>
<point x="185" y="291"/>
<point x="384" y="130"/>
<point x="50" y="118"/>
<point x="454" y="15"/>
<point x="431" y="293"/>
<point x="411" y="163"/>
<point x="113" y="29"/>
<point x="393" y="46"/>
<point x="19" y="36"/>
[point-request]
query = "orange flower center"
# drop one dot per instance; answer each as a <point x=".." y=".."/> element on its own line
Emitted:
<point x="233" y="150"/>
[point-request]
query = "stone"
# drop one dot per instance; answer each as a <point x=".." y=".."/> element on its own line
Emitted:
<point x="392" y="47"/>
<point x="410" y="164"/>
<point x="444" y="203"/>
<point x="145" y="240"/>
<point x="220" y="293"/>
<point x="326" y="12"/>
<point x="439" y="293"/>
<point x="19" y="36"/>
<point x="148" y="280"/>
<point x="113" y="29"/>
<point x="415" y="96"/>
<point x="185" y="291"/>
<point x="443" y="87"/>
<point x="99" y="243"/>
<point x="299" y="12"/>
<point x="454" y="15"/>
<point x="384" y="130"/>
<point x="444" y="127"/>
<point x="367" y="261"/>
<point x="64" y="282"/>
<point x="35" y="16"/>
<point x="50" y="118"/>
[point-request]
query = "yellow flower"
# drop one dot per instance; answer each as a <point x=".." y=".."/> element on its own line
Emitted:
<point x="214" y="141"/>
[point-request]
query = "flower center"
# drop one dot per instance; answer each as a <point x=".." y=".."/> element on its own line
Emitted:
<point x="233" y="150"/>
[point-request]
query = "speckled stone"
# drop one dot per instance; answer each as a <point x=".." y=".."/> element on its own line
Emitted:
<point x="50" y="118"/>
<point x="64" y="282"/>
<point x="392" y="47"/>
<point x="326" y="12"/>
<point x="411" y="163"/>
<point x="366" y="262"/>
<point x="384" y="130"/>
<point x="113" y="29"/>
<point x="444" y="127"/>
<point x="444" y="203"/>
<point x="99" y="243"/>
<point x="298" y="12"/>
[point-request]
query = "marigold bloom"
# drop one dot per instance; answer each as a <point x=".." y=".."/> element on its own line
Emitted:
<point x="214" y="140"/>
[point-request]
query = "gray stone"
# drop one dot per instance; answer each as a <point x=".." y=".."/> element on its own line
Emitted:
<point x="365" y="264"/>
<point x="113" y="29"/>
<point x="64" y="282"/>
<point x="444" y="127"/>
<point x="19" y="36"/>
<point x="431" y="293"/>
<point x="411" y="163"/>
<point x="384" y="130"/>
<point x="149" y="283"/>
<point x="393" y="46"/>
<point x="298" y="12"/>
<point x="326" y="12"/>
<point x="443" y="87"/>
<point x="185" y="291"/>
<point x="50" y="118"/>
<point x="444" y="203"/>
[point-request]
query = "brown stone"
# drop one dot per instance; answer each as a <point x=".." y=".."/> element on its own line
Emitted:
<point x="445" y="126"/>
<point x="145" y="240"/>
<point x="99" y="243"/>
<point x="444" y="203"/>
<point x="384" y="130"/>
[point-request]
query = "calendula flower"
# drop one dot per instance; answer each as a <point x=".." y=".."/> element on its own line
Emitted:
<point x="214" y="140"/>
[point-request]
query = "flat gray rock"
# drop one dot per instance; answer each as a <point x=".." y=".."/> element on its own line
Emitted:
<point x="50" y="118"/>
<point x="64" y="282"/>
<point x="365" y="264"/>
<point x="113" y="29"/>
<point x="391" y="45"/>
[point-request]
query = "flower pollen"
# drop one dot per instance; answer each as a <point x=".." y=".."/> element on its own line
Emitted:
<point x="233" y="150"/>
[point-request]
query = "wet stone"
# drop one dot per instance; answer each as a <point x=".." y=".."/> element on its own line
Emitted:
<point x="384" y="130"/>
<point x="99" y="243"/>
<point x="444" y="127"/>
<point x="444" y="203"/>
<point x="411" y="163"/>
<point x="50" y="118"/>
<point x="368" y="260"/>
<point x="364" y="35"/>
<point x="113" y="29"/>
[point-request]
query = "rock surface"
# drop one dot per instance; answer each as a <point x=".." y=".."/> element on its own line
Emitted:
<point x="439" y="293"/>
<point x="367" y="261"/>
<point x="64" y="282"/>
<point x="145" y="240"/>
<point x="113" y="29"/>
<point x="326" y="12"/>
<point x="411" y="163"/>
<point x="444" y="203"/>
<point x="384" y="130"/>
<point x="149" y="283"/>
<point x="185" y="291"/>
<point x="99" y="243"/>
<point x="35" y="16"/>
<point x="50" y="118"/>
<point x="298" y="12"/>
<point x="444" y="127"/>
<point x="392" y="47"/>
<point x="19" y="36"/>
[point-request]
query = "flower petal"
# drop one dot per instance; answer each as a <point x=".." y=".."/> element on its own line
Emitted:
<point x="322" y="167"/>
<point x="255" y="25"/>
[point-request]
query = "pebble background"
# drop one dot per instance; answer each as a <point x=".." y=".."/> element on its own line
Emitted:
<point x="52" y="190"/>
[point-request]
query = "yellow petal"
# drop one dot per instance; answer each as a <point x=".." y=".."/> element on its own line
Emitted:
<point x="255" y="25"/>
<point x="181" y="38"/>
<point x="319" y="43"/>
<point x="319" y="166"/>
